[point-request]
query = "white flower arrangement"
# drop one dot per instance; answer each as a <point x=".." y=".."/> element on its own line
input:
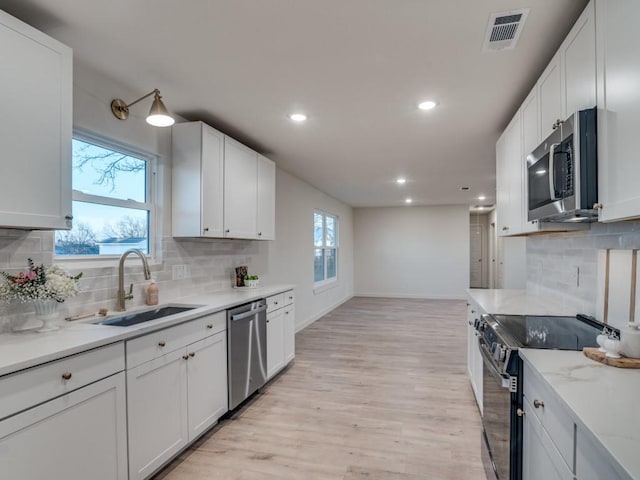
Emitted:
<point x="39" y="283"/>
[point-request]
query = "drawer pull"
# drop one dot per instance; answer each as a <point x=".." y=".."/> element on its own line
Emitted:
<point x="520" y="412"/>
<point x="66" y="376"/>
<point x="162" y="343"/>
<point x="290" y="298"/>
<point x="275" y="303"/>
<point x="209" y="325"/>
<point x="186" y="357"/>
<point x="538" y="404"/>
<point x="192" y="354"/>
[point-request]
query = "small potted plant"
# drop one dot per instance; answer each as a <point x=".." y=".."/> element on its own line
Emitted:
<point x="251" y="281"/>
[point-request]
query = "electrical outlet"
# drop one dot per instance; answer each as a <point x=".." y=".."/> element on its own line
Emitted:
<point x="178" y="272"/>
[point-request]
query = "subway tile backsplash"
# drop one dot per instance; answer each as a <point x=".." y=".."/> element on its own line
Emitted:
<point x="208" y="266"/>
<point x="565" y="265"/>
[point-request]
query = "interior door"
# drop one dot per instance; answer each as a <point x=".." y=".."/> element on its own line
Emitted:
<point x="476" y="269"/>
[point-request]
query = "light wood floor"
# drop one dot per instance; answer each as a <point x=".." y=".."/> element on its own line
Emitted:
<point x="378" y="391"/>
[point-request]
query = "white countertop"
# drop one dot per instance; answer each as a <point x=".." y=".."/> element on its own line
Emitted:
<point x="604" y="400"/>
<point x="23" y="350"/>
<point x="518" y="302"/>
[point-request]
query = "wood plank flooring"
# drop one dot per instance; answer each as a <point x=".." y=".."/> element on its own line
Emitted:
<point x="378" y="391"/>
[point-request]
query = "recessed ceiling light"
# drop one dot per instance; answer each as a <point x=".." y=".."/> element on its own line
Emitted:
<point x="298" y="117"/>
<point x="401" y="180"/>
<point x="482" y="197"/>
<point x="408" y="200"/>
<point x="427" y="105"/>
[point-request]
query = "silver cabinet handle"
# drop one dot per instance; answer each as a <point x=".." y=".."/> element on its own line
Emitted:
<point x="538" y="404"/>
<point x="162" y="343"/>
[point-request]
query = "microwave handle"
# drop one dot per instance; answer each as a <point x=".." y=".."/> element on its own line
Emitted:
<point x="552" y="171"/>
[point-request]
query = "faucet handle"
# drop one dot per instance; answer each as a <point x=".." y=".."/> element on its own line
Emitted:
<point x="129" y="295"/>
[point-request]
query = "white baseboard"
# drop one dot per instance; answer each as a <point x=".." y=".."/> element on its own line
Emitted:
<point x="419" y="297"/>
<point x="317" y="316"/>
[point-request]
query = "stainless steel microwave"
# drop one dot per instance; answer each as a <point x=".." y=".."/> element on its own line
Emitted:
<point x="562" y="172"/>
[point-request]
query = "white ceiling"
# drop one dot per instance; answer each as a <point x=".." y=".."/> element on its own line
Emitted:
<point x="357" y="68"/>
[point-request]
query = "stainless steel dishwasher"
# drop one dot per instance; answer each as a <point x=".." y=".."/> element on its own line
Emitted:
<point x="247" y="350"/>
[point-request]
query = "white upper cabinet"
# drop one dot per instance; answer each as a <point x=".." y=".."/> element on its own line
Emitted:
<point x="240" y="192"/>
<point x="618" y="73"/>
<point x="266" y="208"/>
<point x="509" y="166"/>
<point x="197" y="180"/>
<point x="35" y="133"/>
<point x="550" y="96"/>
<point x="579" y="64"/>
<point x="220" y="187"/>
<point x="530" y="140"/>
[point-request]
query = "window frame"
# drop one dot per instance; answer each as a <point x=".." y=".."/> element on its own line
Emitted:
<point x="326" y="283"/>
<point x="150" y="194"/>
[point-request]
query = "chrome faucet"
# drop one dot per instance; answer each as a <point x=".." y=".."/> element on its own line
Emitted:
<point x="122" y="297"/>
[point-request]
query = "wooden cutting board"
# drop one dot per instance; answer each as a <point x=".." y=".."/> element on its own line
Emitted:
<point x="594" y="354"/>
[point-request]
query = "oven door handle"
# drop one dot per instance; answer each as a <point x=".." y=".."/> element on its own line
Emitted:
<point x="503" y="381"/>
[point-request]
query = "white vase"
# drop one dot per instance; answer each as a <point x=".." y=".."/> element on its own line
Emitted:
<point x="47" y="311"/>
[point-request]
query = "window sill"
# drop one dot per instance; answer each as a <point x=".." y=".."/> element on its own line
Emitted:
<point x="324" y="286"/>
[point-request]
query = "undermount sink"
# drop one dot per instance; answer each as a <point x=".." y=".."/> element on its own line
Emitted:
<point x="146" y="316"/>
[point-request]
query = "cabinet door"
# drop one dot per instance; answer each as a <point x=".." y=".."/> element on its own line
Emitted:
<point x="540" y="459"/>
<point x="36" y="88"/>
<point x="212" y="182"/>
<point x="157" y="412"/>
<point x="207" y="383"/>
<point x="618" y="70"/>
<point x="550" y="92"/>
<point x="240" y="190"/>
<point x="289" y="330"/>
<point x="77" y="436"/>
<point x="579" y="63"/>
<point x="530" y="140"/>
<point x="509" y="166"/>
<point x="275" y="342"/>
<point x="592" y="463"/>
<point x="266" y="199"/>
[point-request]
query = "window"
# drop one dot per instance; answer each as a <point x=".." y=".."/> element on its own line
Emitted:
<point x="112" y="207"/>
<point x="325" y="243"/>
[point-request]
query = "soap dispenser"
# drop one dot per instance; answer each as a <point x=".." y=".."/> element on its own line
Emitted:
<point x="630" y="341"/>
<point x="152" y="293"/>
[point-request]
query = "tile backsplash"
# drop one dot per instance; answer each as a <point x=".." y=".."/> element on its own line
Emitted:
<point x="207" y="266"/>
<point x="565" y="265"/>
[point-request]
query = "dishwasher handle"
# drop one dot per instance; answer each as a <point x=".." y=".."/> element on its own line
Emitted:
<point x="250" y="313"/>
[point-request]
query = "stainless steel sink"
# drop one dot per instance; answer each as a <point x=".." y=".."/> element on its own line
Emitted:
<point x="146" y="316"/>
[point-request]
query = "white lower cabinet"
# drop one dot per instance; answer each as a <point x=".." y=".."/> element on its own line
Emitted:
<point x="275" y="342"/>
<point x="76" y="436"/>
<point x="157" y="412"/>
<point x="591" y="463"/>
<point x="474" y="357"/>
<point x="174" y="397"/>
<point x="281" y="331"/>
<point x="540" y="459"/>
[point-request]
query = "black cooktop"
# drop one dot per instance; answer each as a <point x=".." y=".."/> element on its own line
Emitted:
<point x="559" y="333"/>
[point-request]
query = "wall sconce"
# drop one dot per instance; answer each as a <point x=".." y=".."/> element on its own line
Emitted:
<point x="158" y="115"/>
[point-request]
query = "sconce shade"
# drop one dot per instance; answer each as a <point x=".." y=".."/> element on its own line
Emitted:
<point x="158" y="114"/>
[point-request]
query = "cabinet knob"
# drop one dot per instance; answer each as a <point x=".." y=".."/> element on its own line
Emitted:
<point x="538" y="404"/>
<point x="66" y="376"/>
<point x="504" y="229"/>
<point x="206" y="229"/>
<point x="275" y="303"/>
<point x="209" y="325"/>
<point x="68" y="217"/>
<point x="267" y="321"/>
<point x="192" y="354"/>
<point x="520" y="412"/>
<point x="597" y="206"/>
<point x="259" y="234"/>
<point x="227" y="231"/>
<point x="185" y="357"/>
<point x="162" y="343"/>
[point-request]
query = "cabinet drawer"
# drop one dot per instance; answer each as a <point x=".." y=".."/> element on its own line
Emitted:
<point x="31" y="387"/>
<point x="211" y="324"/>
<point x="156" y="344"/>
<point x="275" y="302"/>
<point x="289" y="297"/>
<point x="552" y="414"/>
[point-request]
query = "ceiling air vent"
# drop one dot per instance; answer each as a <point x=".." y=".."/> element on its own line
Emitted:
<point x="504" y="29"/>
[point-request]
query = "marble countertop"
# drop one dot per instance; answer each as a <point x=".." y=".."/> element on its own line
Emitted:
<point x="518" y="302"/>
<point x="23" y="350"/>
<point x="603" y="399"/>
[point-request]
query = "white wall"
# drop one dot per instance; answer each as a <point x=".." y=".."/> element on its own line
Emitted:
<point x="291" y="255"/>
<point x="412" y="252"/>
